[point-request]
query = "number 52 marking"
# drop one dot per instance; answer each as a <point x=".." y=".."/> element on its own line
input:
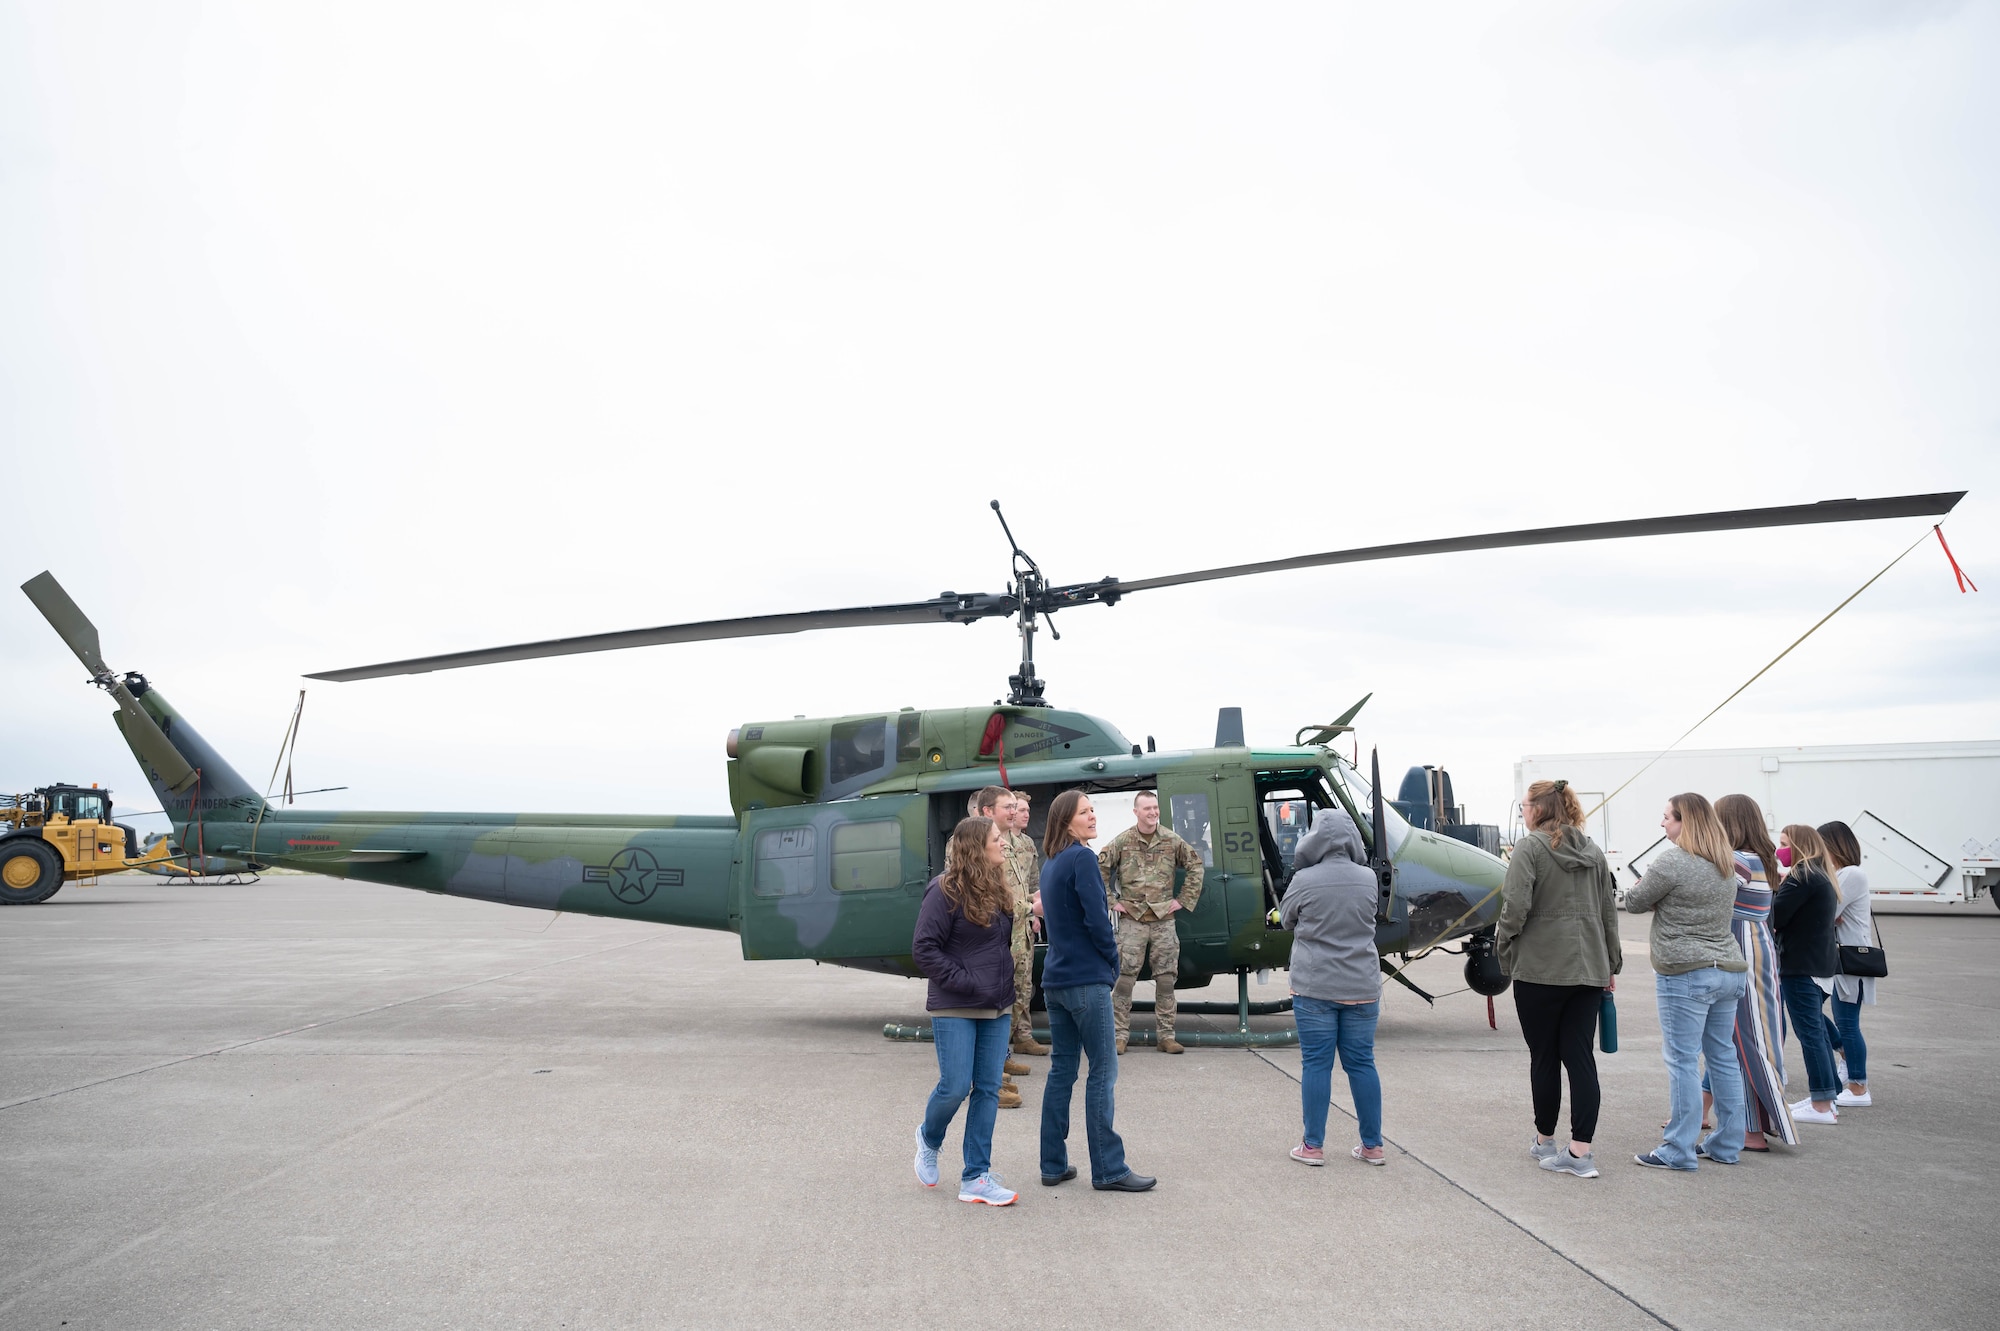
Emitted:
<point x="1239" y="843"/>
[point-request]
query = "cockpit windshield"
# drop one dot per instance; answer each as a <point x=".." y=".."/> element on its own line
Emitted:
<point x="1363" y="794"/>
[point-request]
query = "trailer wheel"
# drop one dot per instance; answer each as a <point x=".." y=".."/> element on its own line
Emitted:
<point x="29" y="872"/>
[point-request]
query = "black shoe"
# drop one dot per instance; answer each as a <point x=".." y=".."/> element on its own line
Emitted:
<point x="1050" y="1180"/>
<point x="1129" y="1183"/>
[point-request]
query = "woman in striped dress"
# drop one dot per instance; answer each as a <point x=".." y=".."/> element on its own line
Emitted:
<point x="1760" y="1017"/>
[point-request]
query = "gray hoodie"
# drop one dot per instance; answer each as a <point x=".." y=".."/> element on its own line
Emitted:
<point x="1330" y="909"/>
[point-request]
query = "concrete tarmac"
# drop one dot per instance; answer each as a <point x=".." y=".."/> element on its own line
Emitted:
<point x="313" y="1103"/>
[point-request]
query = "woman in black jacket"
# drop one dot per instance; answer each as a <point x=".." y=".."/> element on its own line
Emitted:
<point x="1802" y="916"/>
<point x="963" y="944"/>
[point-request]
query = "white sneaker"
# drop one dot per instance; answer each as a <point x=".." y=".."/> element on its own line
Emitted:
<point x="1848" y="1099"/>
<point x="986" y="1188"/>
<point x="1803" y="1112"/>
<point x="926" y="1161"/>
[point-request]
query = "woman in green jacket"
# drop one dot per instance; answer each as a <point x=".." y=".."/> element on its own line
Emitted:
<point x="1557" y="938"/>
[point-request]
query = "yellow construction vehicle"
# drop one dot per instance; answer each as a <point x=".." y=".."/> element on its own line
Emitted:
<point x="63" y="834"/>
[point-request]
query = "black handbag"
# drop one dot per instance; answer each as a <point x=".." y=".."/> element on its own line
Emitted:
<point x="1863" y="962"/>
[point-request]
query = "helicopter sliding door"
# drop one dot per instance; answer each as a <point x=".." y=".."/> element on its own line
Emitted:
<point x="834" y="882"/>
<point x="1197" y="808"/>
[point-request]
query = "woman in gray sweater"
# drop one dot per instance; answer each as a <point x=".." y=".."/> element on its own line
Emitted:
<point x="1691" y="891"/>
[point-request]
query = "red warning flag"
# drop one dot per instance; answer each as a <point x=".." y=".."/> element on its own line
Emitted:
<point x="989" y="742"/>
<point x="1963" y="581"/>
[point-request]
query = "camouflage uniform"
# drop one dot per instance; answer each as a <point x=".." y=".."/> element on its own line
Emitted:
<point x="1023" y="870"/>
<point x="1139" y="875"/>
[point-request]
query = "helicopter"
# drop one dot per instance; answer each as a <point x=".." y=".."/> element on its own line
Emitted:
<point x="839" y="823"/>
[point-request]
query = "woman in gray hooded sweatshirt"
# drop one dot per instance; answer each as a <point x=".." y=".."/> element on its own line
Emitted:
<point x="1336" y="992"/>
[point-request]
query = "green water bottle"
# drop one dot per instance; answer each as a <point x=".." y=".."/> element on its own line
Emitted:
<point x="1607" y="1024"/>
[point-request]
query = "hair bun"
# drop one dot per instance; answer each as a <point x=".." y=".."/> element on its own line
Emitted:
<point x="1561" y="784"/>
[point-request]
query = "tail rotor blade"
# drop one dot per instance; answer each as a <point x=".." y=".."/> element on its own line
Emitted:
<point x="141" y="731"/>
<point x="70" y="623"/>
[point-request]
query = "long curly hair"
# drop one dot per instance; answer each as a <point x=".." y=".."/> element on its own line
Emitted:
<point x="1743" y="821"/>
<point x="972" y="883"/>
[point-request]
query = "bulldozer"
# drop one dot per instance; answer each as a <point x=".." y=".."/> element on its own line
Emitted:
<point x="63" y="834"/>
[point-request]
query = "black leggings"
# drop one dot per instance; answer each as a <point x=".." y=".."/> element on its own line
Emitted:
<point x="1559" y="1021"/>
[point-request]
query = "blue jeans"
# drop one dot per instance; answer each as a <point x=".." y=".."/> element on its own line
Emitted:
<point x="1802" y="999"/>
<point x="1697" y="1019"/>
<point x="1080" y="1026"/>
<point x="971" y="1053"/>
<point x="1349" y="1029"/>
<point x="1843" y="1032"/>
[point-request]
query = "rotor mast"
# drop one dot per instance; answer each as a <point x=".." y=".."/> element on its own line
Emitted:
<point x="1024" y="689"/>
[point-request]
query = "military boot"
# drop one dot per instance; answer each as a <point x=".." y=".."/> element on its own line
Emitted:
<point x="1010" y="1095"/>
<point x="1014" y="1067"/>
<point x="1169" y="1045"/>
<point x="1026" y="1043"/>
<point x="1121" y="1044"/>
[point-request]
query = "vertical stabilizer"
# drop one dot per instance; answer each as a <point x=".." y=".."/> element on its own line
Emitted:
<point x="217" y="793"/>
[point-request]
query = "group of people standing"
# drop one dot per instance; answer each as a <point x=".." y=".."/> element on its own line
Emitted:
<point x="1743" y="936"/>
<point x="1107" y="916"/>
<point x="973" y="942"/>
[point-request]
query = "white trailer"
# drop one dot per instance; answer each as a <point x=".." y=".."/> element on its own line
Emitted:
<point x="1927" y="815"/>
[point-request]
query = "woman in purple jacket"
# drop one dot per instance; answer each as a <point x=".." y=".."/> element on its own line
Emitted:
<point x="963" y="944"/>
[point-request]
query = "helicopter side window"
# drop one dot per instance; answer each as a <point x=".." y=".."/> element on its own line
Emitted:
<point x="784" y="862"/>
<point x="1286" y="818"/>
<point x="857" y="748"/>
<point x="1191" y="824"/>
<point x="909" y="736"/>
<point x="867" y="855"/>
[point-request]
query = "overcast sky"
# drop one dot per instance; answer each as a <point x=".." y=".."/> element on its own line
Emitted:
<point x="332" y="334"/>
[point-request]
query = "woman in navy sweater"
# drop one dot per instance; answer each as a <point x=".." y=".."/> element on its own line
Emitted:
<point x="1077" y="975"/>
<point x="1802" y="916"/>
<point x="962" y="943"/>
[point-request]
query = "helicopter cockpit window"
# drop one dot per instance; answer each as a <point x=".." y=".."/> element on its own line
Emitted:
<point x="867" y="855"/>
<point x="784" y="862"/>
<point x="1190" y="814"/>
<point x="857" y="748"/>
<point x="909" y="736"/>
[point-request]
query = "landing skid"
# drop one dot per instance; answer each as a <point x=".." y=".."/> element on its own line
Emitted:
<point x="1240" y="1038"/>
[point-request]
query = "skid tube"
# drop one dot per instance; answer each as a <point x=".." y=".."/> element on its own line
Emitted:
<point x="1240" y="1038"/>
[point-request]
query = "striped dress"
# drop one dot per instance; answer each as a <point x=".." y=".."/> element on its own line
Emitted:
<point x="1760" y="1016"/>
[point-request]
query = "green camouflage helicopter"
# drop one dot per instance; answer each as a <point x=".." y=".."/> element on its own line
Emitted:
<point x="840" y="822"/>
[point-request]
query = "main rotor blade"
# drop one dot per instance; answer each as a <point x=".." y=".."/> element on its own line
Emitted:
<point x="69" y="622"/>
<point x="1827" y="510"/>
<point x="940" y="610"/>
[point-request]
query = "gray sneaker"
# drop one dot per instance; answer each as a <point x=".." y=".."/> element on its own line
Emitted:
<point x="986" y="1188"/>
<point x="1543" y="1150"/>
<point x="1562" y="1162"/>
<point x="926" y="1161"/>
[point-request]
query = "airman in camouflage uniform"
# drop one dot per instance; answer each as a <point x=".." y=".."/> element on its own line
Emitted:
<point x="1139" y="868"/>
<point x="996" y="803"/>
<point x="1024" y="873"/>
